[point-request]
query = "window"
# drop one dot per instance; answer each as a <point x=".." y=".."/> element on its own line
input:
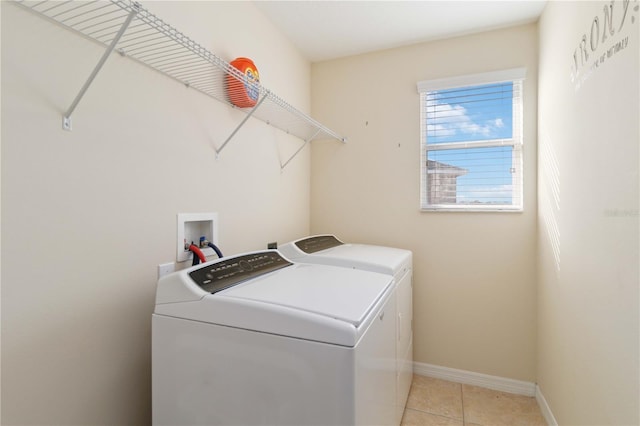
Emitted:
<point x="471" y="142"/>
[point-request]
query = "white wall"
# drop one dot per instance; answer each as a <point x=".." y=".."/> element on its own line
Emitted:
<point x="88" y="215"/>
<point x="474" y="282"/>
<point x="588" y="326"/>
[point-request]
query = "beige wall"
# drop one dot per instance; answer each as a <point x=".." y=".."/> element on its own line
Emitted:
<point x="474" y="287"/>
<point x="88" y="215"/>
<point x="588" y="221"/>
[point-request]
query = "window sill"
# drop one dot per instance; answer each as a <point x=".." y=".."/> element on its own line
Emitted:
<point x="474" y="209"/>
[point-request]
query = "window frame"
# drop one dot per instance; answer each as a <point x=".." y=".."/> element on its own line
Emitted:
<point x="515" y="76"/>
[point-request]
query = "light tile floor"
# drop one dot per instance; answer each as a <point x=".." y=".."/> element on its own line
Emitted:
<point x="435" y="402"/>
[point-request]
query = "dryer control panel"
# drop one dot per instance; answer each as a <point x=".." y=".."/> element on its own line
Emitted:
<point x="321" y="242"/>
<point x="226" y="273"/>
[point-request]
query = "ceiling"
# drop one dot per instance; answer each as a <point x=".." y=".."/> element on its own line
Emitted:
<point x="324" y="30"/>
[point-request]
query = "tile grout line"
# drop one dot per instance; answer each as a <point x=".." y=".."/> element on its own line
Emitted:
<point x="442" y="416"/>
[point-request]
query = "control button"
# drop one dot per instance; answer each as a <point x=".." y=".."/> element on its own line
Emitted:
<point x="245" y="266"/>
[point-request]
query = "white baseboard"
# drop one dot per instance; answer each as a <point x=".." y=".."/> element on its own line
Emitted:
<point x="477" y="379"/>
<point x="544" y="408"/>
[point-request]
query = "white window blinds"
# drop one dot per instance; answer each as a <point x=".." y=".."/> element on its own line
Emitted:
<point x="471" y="139"/>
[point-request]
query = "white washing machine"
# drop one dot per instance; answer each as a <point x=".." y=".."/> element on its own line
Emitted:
<point x="329" y="250"/>
<point x="257" y="340"/>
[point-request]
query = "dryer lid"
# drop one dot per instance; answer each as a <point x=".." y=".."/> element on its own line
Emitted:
<point x="386" y="260"/>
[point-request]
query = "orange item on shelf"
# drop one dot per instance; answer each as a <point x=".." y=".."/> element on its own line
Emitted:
<point x="243" y="94"/>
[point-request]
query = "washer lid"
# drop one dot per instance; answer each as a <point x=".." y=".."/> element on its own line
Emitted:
<point x="269" y="294"/>
<point x="343" y="294"/>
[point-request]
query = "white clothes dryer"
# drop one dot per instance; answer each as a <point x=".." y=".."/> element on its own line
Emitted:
<point x="329" y="250"/>
<point x="255" y="339"/>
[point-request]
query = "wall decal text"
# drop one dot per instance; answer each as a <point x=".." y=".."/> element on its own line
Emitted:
<point x="606" y="37"/>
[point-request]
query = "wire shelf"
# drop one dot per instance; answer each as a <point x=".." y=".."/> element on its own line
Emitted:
<point x="128" y="28"/>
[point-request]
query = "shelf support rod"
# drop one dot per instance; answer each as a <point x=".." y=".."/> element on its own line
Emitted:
<point x="66" y="120"/>
<point x="244" y="120"/>
<point x="282" y="166"/>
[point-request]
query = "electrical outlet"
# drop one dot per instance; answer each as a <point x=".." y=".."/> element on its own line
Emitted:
<point x="272" y="246"/>
<point x="165" y="269"/>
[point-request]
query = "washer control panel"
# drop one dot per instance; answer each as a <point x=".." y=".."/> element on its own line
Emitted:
<point x="226" y="273"/>
<point x="321" y="242"/>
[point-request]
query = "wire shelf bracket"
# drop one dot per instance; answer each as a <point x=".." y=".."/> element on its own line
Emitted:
<point x="283" y="165"/>
<point x="244" y="120"/>
<point x="66" y="119"/>
<point x="131" y="30"/>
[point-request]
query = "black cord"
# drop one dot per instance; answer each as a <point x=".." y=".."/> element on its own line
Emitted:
<point x="216" y="249"/>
